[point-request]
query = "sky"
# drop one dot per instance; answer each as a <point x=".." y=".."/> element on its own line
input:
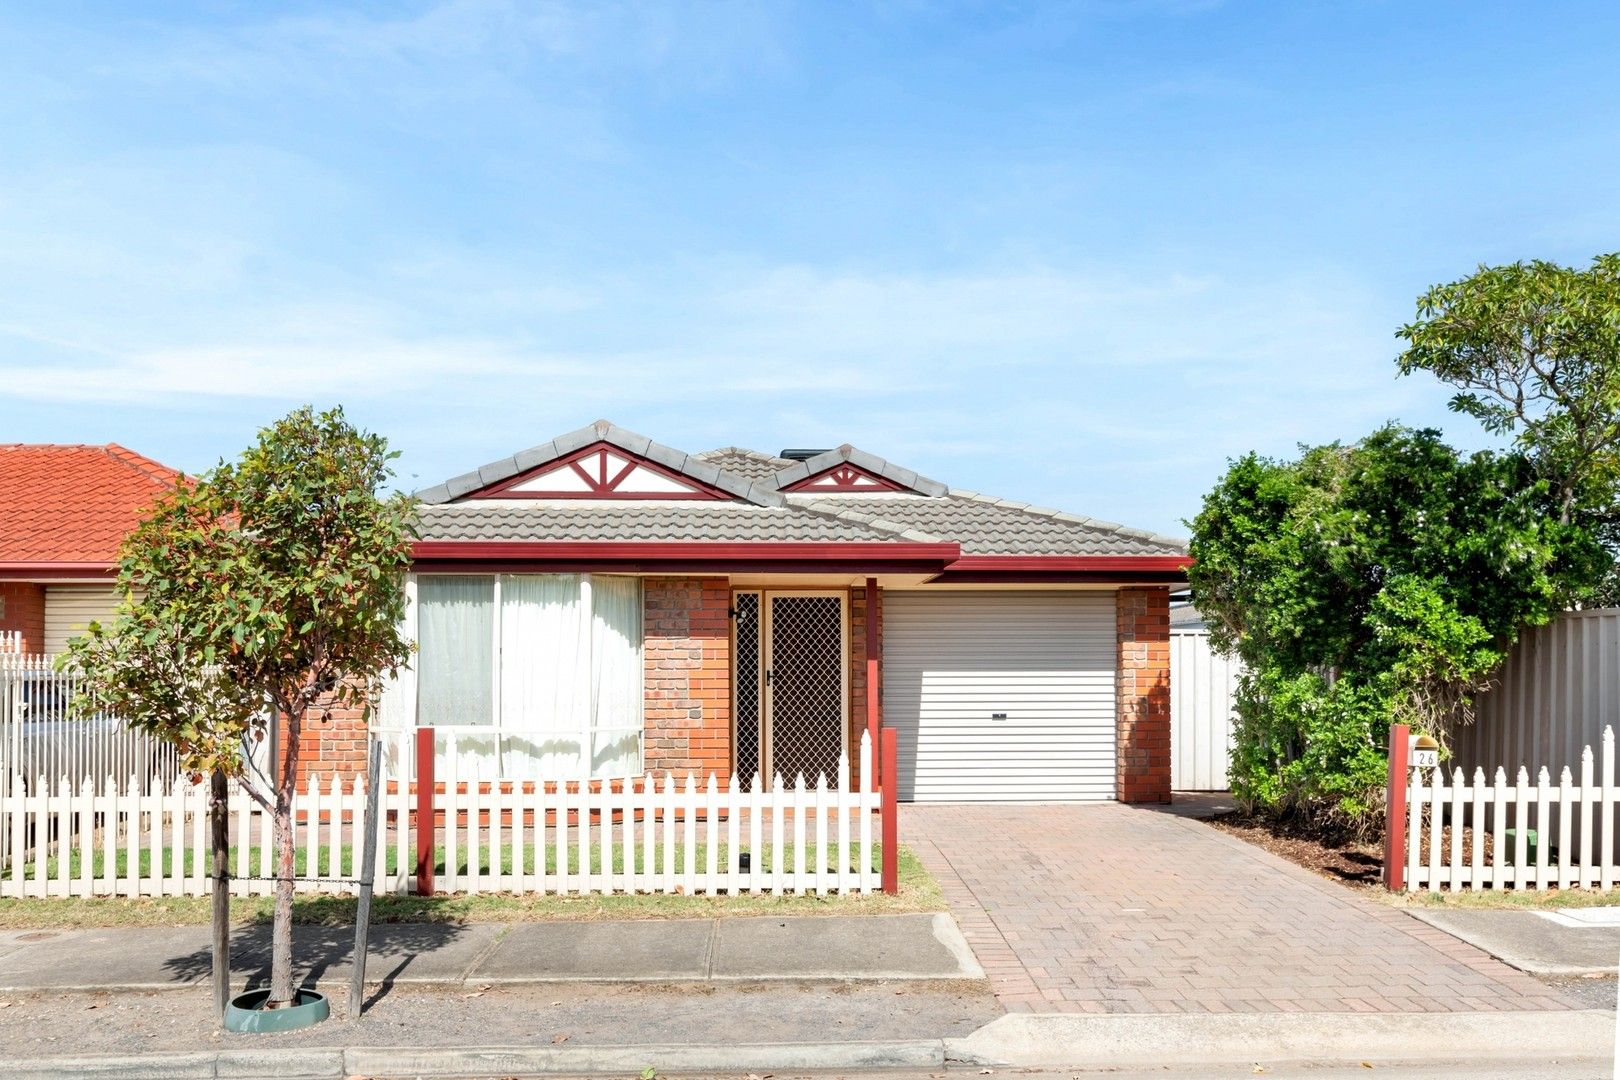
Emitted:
<point x="1078" y="254"/>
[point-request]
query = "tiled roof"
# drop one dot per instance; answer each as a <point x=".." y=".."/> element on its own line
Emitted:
<point x="748" y="464"/>
<point x="678" y="461"/>
<point x="927" y="513"/>
<point x="906" y="478"/>
<point x="73" y="504"/>
<point x="647" y="522"/>
<point x="988" y="526"/>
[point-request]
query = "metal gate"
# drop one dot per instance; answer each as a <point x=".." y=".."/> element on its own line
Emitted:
<point x="791" y="684"/>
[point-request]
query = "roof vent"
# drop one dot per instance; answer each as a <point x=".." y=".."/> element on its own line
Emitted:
<point x="801" y="455"/>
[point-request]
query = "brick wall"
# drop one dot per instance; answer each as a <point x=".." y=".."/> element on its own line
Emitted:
<point x="331" y="742"/>
<point x="862" y="614"/>
<point x="1142" y="729"/>
<point x="687" y="653"/>
<point x="24" y="603"/>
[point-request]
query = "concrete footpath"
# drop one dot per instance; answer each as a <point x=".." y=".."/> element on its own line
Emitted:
<point x="884" y="947"/>
<point x="1568" y="941"/>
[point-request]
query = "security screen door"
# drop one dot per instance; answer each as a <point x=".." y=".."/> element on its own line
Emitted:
<point x="791" y="693"/>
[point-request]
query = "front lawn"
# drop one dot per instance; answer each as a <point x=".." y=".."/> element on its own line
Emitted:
<point x="918" y="892"/>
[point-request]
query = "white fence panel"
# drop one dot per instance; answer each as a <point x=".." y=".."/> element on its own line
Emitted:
<point x="1467" y="831"/>
<point x="1202" y="685"/>
<point x="647" y="834"/>
<point x="45" y="732"/>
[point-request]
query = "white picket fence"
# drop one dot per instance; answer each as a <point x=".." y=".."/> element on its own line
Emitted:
<point x="1573" y="821"/>
<point x="652" y="834"/>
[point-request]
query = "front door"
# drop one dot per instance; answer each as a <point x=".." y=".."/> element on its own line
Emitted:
<point x="791" y="699"/>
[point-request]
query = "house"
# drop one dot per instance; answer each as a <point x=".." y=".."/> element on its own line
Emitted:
<point x="64" y="510"/>
<point x="603" y="606"/>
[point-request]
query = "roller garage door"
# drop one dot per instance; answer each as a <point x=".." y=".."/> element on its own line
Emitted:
<point x="1001" y="696"/>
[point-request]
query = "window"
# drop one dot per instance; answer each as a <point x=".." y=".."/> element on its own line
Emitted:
<point x="538" y="676"/>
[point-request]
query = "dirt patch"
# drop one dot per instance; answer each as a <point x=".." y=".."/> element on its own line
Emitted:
<point x="1357" y="863"/>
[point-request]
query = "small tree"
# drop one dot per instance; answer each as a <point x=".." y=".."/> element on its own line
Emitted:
<point x="271" y="587"/>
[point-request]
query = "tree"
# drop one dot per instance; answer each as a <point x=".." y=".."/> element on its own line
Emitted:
<point x="1369" y="584"/>
<point x="1534" y="350"/>
<point x="273" y="586"/>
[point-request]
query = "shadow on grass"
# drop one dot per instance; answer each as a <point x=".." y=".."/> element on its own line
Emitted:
<point x="321" y="942"/>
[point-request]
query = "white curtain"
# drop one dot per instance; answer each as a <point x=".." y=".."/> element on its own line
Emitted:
<point x="616" y="676"/>
<point x="455" y="650"/>
<point x="569" y="682"/>
<point x="545" y="675"/>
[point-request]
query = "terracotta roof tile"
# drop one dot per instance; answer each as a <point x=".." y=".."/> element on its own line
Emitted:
<point x="73" y="504"/>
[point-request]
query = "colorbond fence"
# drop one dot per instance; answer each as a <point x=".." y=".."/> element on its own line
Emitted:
<point x="651" y="834"/>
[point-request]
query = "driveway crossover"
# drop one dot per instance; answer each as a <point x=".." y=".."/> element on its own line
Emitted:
<point x="1107" y="908"/>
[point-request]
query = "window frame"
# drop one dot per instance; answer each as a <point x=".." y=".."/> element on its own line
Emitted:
<point x="589" y="731"/>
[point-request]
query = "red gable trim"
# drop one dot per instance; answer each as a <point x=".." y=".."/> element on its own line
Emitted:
<point x="600" y="484"/>
<point x="845" y="478"/>
<point x="684" y="556"/>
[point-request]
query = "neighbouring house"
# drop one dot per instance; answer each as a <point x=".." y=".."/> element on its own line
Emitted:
<point x="603" y="606"/>
<point x="64" y="510"/>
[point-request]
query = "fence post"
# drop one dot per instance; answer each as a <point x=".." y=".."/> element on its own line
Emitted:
<point x="1395" y="810"/>
<point x="891" y="821"/>
<point x="426" y="831"/>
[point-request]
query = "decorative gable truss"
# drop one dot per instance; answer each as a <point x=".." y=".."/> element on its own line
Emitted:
<point x="601" y="471"/>
<point x="844" y="478"/>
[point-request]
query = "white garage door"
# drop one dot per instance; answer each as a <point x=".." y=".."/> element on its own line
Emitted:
<point x="1001" y="696"/>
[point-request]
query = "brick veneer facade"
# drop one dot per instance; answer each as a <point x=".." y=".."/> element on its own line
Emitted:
<point x="24" y="604"/>
<point x="1142" y="724"/>
<point x="687" y="653"/>
<point x="332" y="742"/>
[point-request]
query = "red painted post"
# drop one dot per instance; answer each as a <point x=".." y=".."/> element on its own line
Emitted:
<point x="874" y="699"/>
<point x="426" y="831"/>
<point x="891" y="819"/>
<point x="1395" y="809"/>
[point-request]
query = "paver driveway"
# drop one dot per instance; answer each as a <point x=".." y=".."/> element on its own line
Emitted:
<point x="1109" y="908"/>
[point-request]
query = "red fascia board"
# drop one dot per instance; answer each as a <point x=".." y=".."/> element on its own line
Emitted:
<point x="1070" y="563"/>
<point x="688" y="554"/>
<point x="1060" y="577"/>
<point x="55" y="571"/>
<point x="1061" y="569"/>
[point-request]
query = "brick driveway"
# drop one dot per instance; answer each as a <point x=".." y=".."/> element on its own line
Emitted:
<point x="1109" y="908"/>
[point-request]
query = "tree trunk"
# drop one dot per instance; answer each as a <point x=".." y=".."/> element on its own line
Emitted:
<point x="281" y="988"/>
<point x="219" y="815"/>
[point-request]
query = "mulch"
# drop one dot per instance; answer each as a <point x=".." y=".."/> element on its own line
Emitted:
<point x="1351" y="862"/>
<point x="1358" y="863"/>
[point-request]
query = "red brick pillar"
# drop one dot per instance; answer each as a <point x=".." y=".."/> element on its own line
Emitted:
<point x="687" y="653"/>
<point x="22" y="610"/>
<point x="1142" y="695"/>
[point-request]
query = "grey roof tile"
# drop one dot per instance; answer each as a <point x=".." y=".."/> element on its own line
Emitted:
<point x="749" y="464"/>
<point x="989" y="526"/>
<point x="667" y="521"/>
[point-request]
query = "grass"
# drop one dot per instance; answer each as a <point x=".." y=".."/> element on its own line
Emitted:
<point x="1516" y="899"/>
<point x="918" y="892"/>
